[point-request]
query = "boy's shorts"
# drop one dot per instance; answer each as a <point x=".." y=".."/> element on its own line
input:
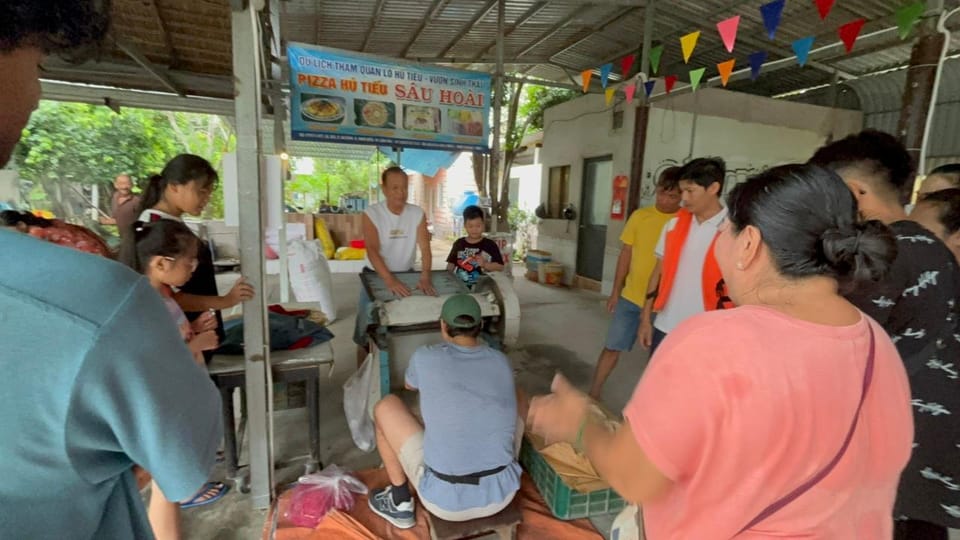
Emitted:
<point x="623" y="330"/>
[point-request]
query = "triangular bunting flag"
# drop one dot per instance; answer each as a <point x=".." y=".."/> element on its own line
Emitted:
<point x="628" y="91"/>
<point x="669" y="81"/>
<point x="728" y="32"/>
<point x="626" y="64"/>
<point x="757" y="60"/>
<point x="801" y="48"/>
<point x="696" y="75"/>
<point x="824" y="7"/>
<point x="907" y="17"/>
<point x="655" y="54"/>
<point x="771" y="16"/>
<point x="609" y="95"/>
<point x="605" y="73"/>
<point x="849" y="33"/>
<point x="688" y="43"/>
<point x="586" y="75"/>
<point x="726" y="69"/>
<point x="648" y="87"/>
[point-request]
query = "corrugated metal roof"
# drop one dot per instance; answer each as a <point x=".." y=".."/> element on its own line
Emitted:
<point x="189" y="41"/>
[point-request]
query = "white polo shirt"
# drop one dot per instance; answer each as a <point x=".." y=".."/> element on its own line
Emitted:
<point x="686" y="296"/>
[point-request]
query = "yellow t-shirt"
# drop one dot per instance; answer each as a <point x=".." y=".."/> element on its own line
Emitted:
<point x="641" y="234"/>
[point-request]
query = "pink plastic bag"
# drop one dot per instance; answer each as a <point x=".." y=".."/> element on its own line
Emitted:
<point x="318" y="493"/>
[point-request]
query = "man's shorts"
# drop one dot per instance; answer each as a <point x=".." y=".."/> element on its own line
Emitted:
<point x="622" y="334"/>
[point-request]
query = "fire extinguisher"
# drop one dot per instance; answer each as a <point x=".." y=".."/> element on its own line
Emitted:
<point x="618" y="208"/>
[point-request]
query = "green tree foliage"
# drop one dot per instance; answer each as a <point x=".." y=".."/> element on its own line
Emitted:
<point x="74" y="143"/>
<point x="538" y="99"/>
<point x="330" y="180"/>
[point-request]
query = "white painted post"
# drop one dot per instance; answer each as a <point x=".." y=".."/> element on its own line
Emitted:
<point x="246" y="71"/>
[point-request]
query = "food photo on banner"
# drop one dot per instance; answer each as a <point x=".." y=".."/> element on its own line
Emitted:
<point x="350" y="97"/>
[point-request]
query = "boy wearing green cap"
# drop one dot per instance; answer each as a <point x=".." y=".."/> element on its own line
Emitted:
<point x="462" y="464"/>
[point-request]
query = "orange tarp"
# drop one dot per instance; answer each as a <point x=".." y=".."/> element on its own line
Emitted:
<point x="362" y="524"/>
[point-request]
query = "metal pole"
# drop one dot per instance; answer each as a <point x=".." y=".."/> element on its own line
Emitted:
<point x="649" y="13"/>
<point x="918" y="94"/>
<point x="494" y="172"/>
<point x="246" y="71"/>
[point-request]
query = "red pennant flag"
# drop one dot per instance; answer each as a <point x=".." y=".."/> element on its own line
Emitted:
<point x="824" y="7"/>
<point x="626" y="64"/>
<point x="849" y="33"/>
<point x="726" y="69"/>
<point x="728" y="31"/>
<point x="669" y="81"/>
<point x="629" y="91"/>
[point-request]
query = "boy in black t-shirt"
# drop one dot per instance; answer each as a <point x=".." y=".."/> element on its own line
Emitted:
<point x="473" y="254"/>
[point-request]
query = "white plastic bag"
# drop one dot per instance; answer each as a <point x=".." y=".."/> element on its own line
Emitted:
<point x="358" y="404"/>
<point x="628" y="525"/>
<point x="318" y="493"/>
<point x="310" y="276"/>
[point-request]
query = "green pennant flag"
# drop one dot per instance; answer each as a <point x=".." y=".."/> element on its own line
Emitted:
<point x="655" y="54"/>
<point x="695" y="76"/>
<point x="907" y="16"/>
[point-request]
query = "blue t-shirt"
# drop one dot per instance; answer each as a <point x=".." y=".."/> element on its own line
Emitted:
<point x="469" y="409"/>
<point x="96" y="378"/>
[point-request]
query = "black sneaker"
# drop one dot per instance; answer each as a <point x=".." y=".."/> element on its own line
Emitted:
<point x="400" y="515"/>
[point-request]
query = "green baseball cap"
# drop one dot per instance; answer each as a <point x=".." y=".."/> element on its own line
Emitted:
<point x="461" y="305"/>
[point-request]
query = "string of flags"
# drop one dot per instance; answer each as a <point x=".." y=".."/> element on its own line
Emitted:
<point x="907" y="16"/>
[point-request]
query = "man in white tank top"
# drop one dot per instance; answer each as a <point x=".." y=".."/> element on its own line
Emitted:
<point x="392" y="231"/>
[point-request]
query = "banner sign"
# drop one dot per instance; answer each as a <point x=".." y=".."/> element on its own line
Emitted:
<point x="357" y="98"/>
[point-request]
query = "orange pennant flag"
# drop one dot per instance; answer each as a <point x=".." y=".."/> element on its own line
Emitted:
<point x="726" y="69"/>
<point x="688" y="43"/>
<point x="586" y="75"/>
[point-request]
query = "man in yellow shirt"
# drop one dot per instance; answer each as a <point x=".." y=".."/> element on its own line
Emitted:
<point x="634" y="267"/>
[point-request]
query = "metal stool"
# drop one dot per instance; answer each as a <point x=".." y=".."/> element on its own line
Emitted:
<point x="227" y="372"/>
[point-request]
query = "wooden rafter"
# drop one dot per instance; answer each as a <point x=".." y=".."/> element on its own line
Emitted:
<point x="174" y="59"/>
<point x="527" y="15"/>
<point x="433" y="12"/>
<point x="480" y="14"/>
<point x="374" y="21"/>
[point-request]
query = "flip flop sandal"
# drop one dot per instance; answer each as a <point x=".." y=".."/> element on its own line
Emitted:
<point x="203" y="497"/>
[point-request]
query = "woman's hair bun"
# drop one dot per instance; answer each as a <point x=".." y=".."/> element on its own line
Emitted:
<point x="859" y="252"/>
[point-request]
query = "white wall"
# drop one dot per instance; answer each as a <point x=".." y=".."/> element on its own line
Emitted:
<point x="749" y="132"/>
<point x="525" y="192"/>
<point x="575" y="131"/>
<point x="9" y="187"/>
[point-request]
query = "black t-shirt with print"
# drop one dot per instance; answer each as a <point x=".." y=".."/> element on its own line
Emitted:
<point x="917" y="304"/>
<point x="467" y="258"/>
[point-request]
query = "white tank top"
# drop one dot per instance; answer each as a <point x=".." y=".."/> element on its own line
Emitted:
<point x="398" y="234"/>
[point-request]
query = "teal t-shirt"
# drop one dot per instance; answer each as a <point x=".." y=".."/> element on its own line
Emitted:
<point x="94" y="378"/>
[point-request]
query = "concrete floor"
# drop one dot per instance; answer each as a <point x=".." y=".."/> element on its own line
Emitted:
<point x="561" y="330"/>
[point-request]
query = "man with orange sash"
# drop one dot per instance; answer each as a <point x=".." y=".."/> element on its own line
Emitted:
<point x="686" y="280"/>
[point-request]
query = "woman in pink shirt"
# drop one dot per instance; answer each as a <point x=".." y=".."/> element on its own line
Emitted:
<point x="786" y="417"/>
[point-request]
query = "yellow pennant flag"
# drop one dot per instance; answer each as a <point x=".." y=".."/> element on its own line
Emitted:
<point x="609" y="94"/>
<point x="586" y="75"/>
<point x="688" y="43"/>
<point x="726" y="69"/>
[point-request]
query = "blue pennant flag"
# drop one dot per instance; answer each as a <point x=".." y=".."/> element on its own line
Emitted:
<point x="771" y="16"/>
<point x="757" y="60"/>
<point x="801" y="48"/>
<point x="605" y="73"/>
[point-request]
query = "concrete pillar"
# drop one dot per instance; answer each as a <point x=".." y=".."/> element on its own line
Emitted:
<point x="918" y="93"/>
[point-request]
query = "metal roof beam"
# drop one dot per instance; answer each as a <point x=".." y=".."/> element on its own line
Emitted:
<point x="374" y="21"/>
<point x="433" y="11"/>
<point x="480" y="14"/>
<point x="563" y="23"/>
<point x="149" y="67"/>
<point x="118" y="97"/>
<point x="527" y="15"/>
<point x="596" y="30"/>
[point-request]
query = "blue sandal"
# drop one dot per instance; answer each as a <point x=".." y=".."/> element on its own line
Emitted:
<point x="211" y="492"/>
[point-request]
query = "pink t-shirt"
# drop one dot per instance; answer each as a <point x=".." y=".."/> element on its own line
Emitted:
<point x="739" y="407"/>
